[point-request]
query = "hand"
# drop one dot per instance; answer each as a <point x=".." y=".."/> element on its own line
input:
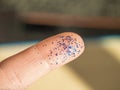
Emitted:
<point x="20" y="70"/>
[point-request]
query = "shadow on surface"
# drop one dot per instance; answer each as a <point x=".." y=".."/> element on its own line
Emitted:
<point x="98" y="68"/>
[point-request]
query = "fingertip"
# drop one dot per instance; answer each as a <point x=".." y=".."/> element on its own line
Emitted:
<point x="62" y="48"/>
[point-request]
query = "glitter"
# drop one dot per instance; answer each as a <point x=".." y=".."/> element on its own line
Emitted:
<point x="77" y="46"/>
<point x="70" y="47"/>
<point x="44" y="45"/>
<point x="69" y="53"/>
<point x="75" y="39"/>
<point x="65" y="47"/>
<point x="78" y="51"/>
<point x="56" y="54"/>
<point x="56" y="63"/>
<point x="63" y="40"/>
<point x="52" y="42"/>
<point x="68" y="37"/>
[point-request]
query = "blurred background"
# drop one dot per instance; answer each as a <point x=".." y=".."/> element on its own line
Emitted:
<point x="25" y="22"/>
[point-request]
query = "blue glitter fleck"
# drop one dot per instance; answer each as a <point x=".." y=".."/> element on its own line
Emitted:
<point x="71" y="51"/>
<point x="69" y="46"/>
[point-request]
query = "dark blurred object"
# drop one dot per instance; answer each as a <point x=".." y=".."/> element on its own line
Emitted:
<point x="12" y="28"/>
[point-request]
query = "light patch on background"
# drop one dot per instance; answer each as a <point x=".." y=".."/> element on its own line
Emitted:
<point x="112" y="46"/>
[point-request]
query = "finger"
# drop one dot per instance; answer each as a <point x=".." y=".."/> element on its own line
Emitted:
<point x="25" y="67"/>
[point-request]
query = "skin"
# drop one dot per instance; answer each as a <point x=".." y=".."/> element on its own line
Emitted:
<point x="20" y="70"/>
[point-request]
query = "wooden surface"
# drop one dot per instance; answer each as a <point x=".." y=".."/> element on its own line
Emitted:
<point x="56" y="19"/>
